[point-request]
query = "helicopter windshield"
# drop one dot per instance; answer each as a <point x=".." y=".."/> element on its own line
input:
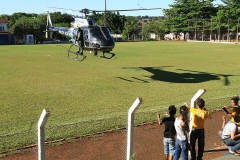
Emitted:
<point x="100" y="31"/>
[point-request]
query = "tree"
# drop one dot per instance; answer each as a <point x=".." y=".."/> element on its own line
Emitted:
<point x="36" y="24"/>
<point x="225" y="21"/>
<point x="230" y="12"/>
<point x="131" y="27"/>
<point x="115" y="21"/>
<point x="36" y="27"/>
<point x="61" y="20"/>
<point x="155" y="26"/>
<point x="19" y="27"/>
<point x="184" y="12"/>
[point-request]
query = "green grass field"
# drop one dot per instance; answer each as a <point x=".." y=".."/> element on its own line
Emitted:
<point x="98" y="92"/>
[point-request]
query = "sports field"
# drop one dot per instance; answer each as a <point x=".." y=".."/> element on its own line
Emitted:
<point x="96" y="94"/>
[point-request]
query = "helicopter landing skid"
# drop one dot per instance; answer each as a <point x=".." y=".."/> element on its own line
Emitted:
<point x="107" y="57"/>
<point x="77" y="53"/>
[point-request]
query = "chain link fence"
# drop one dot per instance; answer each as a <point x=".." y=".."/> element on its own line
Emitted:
<point x="103" y="138"/>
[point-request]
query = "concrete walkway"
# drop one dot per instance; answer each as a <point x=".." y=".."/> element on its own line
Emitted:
<point x="228" y="157"/>
<point x="224" y="157"/>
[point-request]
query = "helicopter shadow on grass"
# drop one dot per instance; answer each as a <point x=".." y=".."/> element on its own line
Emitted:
<point x="186" y="76"/>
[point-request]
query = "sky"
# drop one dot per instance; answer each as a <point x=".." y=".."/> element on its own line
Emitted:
<point x="42" y="6"/>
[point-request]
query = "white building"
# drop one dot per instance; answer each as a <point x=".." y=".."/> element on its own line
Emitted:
<point x="3" y="25"/>
<point x="5" y="36"/>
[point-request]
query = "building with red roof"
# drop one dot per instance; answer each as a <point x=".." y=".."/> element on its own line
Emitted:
<point x="5" y="36"/>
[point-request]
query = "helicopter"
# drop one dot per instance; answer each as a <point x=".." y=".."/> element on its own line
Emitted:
<point x="85" y="34"/>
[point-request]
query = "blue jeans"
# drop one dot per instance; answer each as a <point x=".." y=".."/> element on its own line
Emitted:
<point x="234" y="144"/>
<point x="197" y="134"/>
<point x="181" y="147"/>
<point x="220" y="134"/>
<point x="169" y="145"/>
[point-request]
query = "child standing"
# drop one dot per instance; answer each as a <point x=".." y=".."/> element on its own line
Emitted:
<point x="199" y="115"/>
<point x="182" y="127"/>
<point x="169" y="132"/>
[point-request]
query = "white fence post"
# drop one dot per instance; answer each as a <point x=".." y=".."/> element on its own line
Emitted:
<point x="196" y="96"/>
<point x="131" y="111"/>
<point x="41" y="134"/>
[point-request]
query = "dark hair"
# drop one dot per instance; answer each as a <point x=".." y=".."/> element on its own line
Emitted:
<point x="235" y="99"/>
<point x="172" y="110"/>
<point x="200" y="103"/>
<point x="237" y="119"/>
<point x="184" y="112"/>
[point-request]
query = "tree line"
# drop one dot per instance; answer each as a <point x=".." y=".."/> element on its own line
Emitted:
<point x="182" y="16"/>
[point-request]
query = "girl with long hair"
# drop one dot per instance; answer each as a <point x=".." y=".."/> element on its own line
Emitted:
<point x="182" y="127"/>
<point x="235" y="108"/>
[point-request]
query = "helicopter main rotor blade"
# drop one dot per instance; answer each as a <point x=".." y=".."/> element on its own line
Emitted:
<point x="117" y="10"/>
<point x="126" y="10"/>
<point x="65" y="9"/>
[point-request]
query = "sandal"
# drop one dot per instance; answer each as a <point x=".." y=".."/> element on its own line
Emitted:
<point x="234" y="153"/>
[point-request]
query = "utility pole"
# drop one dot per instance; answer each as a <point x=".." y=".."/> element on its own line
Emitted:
<point x="237" y="29"/>
<point x="105" y="19"/>
<point x="202" y="29"/>
<point x="195" y="30"/>
<point x="211" y="31"/>
<point x="228" y="37"/>
<point x="219" y="31"/>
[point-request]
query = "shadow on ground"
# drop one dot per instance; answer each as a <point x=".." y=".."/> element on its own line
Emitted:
<point x="180" y="76"/>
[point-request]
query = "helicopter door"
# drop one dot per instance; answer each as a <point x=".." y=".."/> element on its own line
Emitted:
<point x="86" y="38"/>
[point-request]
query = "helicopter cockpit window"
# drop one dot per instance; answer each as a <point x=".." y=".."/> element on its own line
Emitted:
<point x="90" y="23"/>
<point x="86" y="38"/>
<point x="106" y="31"/>
<point x="98" y="32"/>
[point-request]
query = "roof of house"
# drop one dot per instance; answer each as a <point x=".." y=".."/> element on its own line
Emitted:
<point x="4" y="33"/>
<point x="3" y="20"/>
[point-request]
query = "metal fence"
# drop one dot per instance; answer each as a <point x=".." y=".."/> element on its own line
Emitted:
<point x="226" y="30"/>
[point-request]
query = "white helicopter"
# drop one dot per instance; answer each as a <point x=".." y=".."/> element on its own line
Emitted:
<point x="86" y="35"/>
